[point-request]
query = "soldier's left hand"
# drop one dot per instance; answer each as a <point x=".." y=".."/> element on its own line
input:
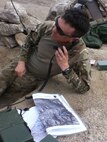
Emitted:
<point x="62" y="58"/>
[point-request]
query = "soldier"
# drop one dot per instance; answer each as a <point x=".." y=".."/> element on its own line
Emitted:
<point x="58" y="41"/>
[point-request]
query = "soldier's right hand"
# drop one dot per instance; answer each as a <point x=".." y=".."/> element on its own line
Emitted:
<point x="20" y="68"/>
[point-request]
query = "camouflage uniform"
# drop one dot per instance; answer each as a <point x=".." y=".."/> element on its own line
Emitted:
<point x="37" y="52"/>
<point x="11" y="84"/>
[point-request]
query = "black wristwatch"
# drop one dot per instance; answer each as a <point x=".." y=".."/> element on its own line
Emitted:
<point x="66" y="71"/>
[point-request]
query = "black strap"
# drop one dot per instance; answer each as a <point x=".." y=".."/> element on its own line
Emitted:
<point x="48" y="75"/>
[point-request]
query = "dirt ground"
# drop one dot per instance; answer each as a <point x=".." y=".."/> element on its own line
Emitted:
<point x="92" y="106"/>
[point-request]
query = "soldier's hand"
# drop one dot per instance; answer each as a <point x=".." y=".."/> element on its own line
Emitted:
<point x="20" y="68"/>
<point x="62" y="58"/>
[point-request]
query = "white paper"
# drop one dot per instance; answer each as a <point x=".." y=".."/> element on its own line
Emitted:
<point x="56" y="115"/>
<point x="31" y="117"/>
<point x="51" y="115"/>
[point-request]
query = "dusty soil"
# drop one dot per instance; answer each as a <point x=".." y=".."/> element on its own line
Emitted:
<point x="91" y="106"/>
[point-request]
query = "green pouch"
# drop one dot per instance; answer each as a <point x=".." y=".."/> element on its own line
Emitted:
<point x="13" y="128"/>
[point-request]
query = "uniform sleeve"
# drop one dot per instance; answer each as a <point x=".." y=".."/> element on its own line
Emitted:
<point x="79" y="76"/>
<point x="31" y="41"/>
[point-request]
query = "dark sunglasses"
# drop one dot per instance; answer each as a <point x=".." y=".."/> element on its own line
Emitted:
<point x="59" y="29"/>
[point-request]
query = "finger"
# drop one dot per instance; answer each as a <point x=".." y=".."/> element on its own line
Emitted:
<point x="64" y="49"/>
<point x="57" y="53"/>
<point x="58" y="57"/>
<point x="60" y="52"/>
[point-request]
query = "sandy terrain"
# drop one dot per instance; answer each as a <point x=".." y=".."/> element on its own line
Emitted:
<point x="91" y="106"/>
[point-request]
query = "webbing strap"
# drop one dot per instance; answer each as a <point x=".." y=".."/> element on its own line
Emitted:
<point x="48" y="75"/>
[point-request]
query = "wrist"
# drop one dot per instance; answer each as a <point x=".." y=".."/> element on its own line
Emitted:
<point x="64" y="67"/>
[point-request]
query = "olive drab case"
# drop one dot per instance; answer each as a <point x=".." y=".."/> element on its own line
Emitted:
<point x="13" y="127"/>
<point x="49" y="138"/>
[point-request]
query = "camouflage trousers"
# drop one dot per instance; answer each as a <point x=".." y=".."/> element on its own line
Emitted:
<point x="11" y="83"/>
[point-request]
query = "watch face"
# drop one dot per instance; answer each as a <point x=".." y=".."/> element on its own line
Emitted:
<point x="66" y="72"/>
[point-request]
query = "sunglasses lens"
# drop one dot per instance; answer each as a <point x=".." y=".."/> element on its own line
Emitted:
<point x="58" y="28"/>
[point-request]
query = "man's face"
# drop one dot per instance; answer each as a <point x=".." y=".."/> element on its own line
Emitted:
<point x="62" y="31"/>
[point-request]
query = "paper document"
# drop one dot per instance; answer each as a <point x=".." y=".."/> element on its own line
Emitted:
<point x="52" y="115"/>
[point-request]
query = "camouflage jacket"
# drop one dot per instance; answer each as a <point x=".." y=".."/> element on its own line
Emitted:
<point x="79" y="75"/>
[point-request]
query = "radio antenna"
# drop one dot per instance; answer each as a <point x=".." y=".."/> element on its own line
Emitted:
<point x="25" y="30"/>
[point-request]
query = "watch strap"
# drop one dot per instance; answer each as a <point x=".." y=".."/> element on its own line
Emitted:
<point x="66" y="71"/>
